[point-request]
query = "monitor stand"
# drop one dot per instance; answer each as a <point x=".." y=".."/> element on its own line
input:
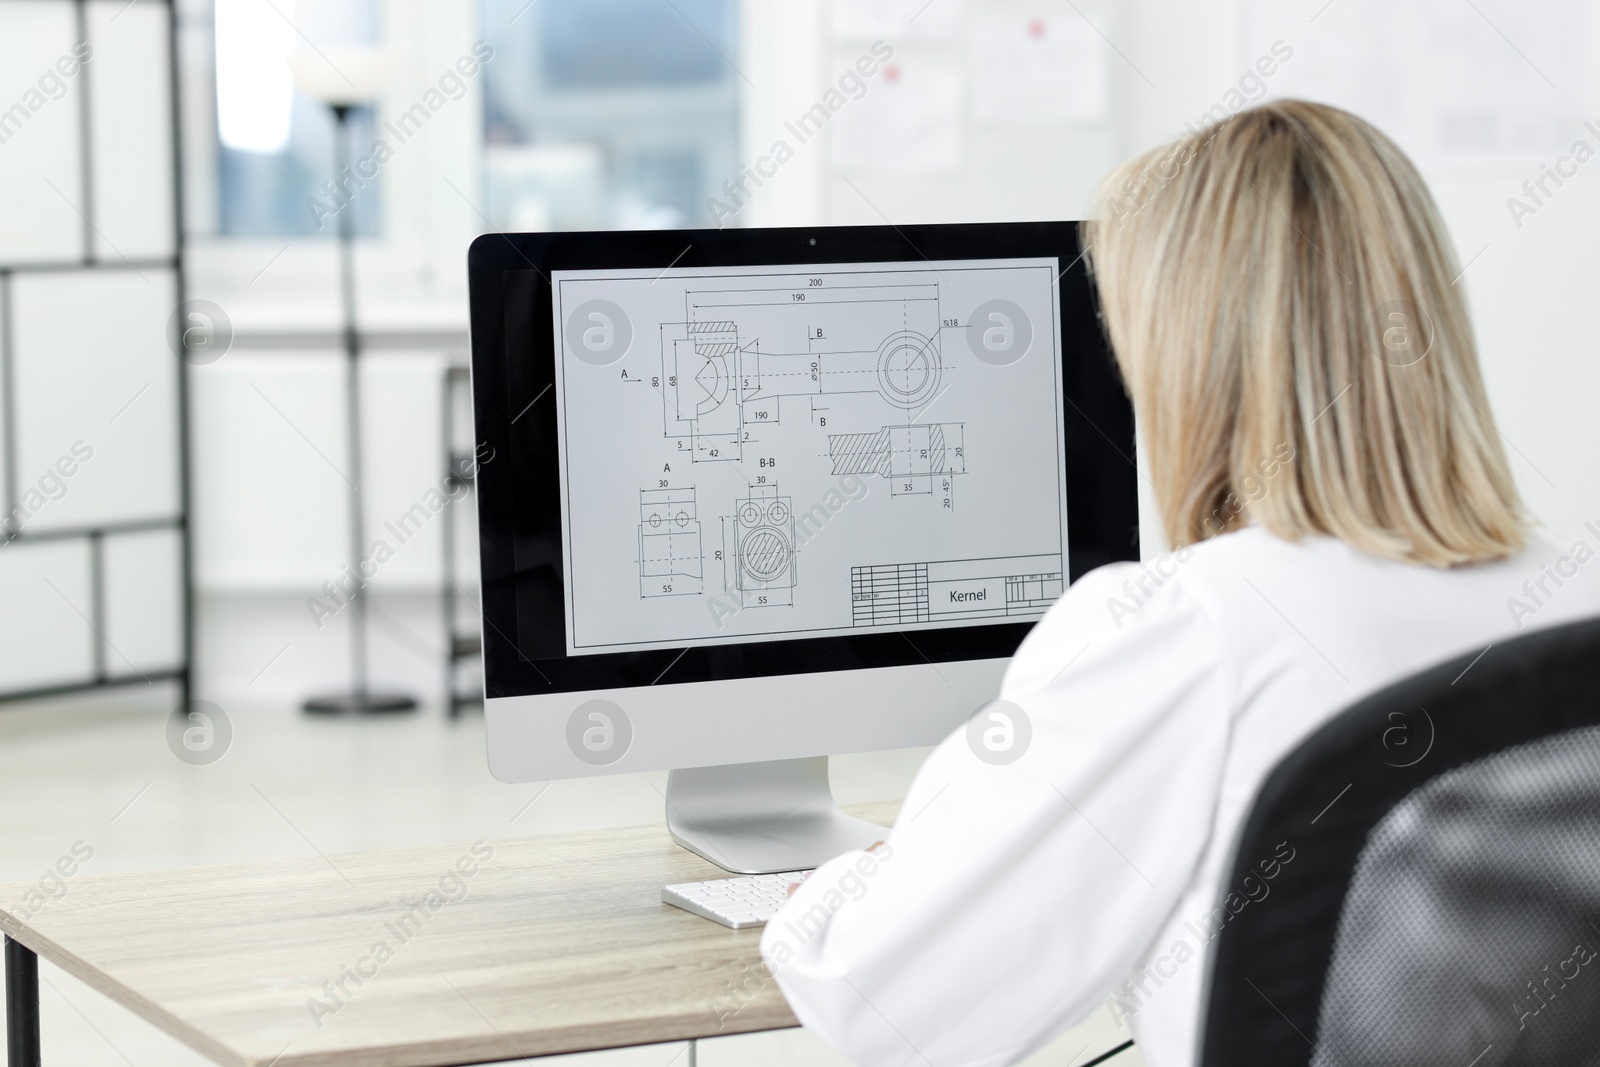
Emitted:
<point x="760" y="818"/>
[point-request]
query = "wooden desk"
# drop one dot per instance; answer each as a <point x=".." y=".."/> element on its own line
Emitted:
<point x="554" y="944"/>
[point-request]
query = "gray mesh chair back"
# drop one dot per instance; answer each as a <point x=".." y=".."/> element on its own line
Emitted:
<point x="1443" y="903"/>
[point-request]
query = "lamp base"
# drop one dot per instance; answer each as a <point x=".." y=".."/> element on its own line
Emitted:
<point x="359" y="704"/>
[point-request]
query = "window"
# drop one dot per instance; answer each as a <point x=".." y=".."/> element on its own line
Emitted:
<point x="608" y="113"/>
<point x="275" y="144"/>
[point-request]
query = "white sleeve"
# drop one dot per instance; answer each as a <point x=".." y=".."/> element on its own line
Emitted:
<point x="1012" y="898"/>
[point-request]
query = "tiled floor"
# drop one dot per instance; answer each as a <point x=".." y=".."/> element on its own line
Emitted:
<point x="97" y="769"/>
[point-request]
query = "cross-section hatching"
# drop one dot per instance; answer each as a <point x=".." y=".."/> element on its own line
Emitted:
<point x="913" y="457"/>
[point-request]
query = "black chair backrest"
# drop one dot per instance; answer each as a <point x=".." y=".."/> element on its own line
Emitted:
<point x="1441" y="903"/>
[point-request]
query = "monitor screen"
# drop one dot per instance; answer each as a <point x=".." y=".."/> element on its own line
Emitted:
<point x="771" y="453"/>
<point x="733" y="455"/>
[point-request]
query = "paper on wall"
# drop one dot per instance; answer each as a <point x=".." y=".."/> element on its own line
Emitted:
<point x="909" y="120"/>
<point x="1474" y="88"/>
<point x="896" y="20"/>
<point x="1038" y="66"/>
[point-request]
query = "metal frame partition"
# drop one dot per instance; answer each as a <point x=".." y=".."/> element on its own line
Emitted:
<point x="95" y="26"/>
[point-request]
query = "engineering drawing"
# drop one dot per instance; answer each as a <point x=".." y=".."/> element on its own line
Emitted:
<point x="670" y="558"/>
<point x="764" y="563"/>
<point x="911" y="457"/>
<point x="724" y="369"/>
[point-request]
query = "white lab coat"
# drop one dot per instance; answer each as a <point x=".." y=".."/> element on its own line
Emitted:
<point x="1014" y="900"/>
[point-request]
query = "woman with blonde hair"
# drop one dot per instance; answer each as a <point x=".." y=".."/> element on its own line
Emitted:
<point x="1281" y="296"/>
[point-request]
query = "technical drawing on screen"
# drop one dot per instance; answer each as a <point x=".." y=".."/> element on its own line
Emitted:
<point x="770" y="453"/>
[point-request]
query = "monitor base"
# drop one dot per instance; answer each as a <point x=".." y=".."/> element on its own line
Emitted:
<point x="762" y="818"/>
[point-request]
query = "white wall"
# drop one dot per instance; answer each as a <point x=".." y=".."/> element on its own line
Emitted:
<point x="1530" y="290"/>
<point x="274" y="519"/>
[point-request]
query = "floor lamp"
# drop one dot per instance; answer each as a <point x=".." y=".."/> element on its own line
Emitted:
<point x="343" y="82"/>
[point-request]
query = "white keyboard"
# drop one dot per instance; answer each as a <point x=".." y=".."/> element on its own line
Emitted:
<point x="734" y="902"/>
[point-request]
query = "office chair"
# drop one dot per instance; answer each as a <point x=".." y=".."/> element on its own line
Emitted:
<point x="1441" y="905"/>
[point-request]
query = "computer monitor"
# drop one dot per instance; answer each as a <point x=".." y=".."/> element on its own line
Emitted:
<point x="751" y="497"/>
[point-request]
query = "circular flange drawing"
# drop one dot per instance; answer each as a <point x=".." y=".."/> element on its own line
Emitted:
<point x="908" y="369"/>
<point x="765" y="553"/>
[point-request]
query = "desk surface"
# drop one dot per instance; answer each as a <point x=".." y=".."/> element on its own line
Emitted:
<point x="560" y="944"/>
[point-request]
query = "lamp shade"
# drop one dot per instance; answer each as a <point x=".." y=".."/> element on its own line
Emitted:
<point x="343" y="76"/>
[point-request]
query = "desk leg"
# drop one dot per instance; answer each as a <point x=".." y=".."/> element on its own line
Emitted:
<point x="22" y="1005"/>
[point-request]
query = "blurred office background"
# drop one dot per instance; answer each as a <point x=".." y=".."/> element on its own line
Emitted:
<point x="152" y="175"/>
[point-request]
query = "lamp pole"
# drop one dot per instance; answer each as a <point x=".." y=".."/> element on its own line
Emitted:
<point x="360" y="700"/>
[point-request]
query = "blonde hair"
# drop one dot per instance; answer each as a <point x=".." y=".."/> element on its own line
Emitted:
<point x="1279" y="291"/>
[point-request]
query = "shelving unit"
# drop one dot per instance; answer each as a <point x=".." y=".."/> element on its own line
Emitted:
<point x="460" y="642"/>
<point x="130" y="60"/>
